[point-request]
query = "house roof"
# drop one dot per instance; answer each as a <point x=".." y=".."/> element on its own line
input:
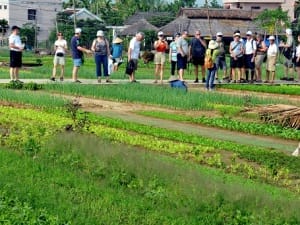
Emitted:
<point x="209" y="28"/>
<point x="144" y="15"/>
<point x="138" y="26"/>
<point x="235" y="14"/>
<point x="82" y="13"/>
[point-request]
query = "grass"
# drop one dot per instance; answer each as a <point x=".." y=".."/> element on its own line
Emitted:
<point x="160" y="95"/>
<point x="90" y="181"/>
<point x="278" y="89"/>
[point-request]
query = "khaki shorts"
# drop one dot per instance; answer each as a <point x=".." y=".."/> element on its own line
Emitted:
<point x="159" y="58"/>
<point x="259" y="59"/>
<point x="271" y="63"/>
<point x="59" y="60"/>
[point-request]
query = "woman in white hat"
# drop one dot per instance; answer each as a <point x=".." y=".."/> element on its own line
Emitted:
<point x="236" y="50"/>
<point x="101" y="50"/>
<point x="117" y="49"/>
<point x="211" y="54"/>
<point x="160" y="45"/>
<point x="271" y="60"/>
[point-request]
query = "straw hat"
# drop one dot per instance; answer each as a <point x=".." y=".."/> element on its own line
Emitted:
<point x="117" y="40"/>
<point x="213" y="44"/>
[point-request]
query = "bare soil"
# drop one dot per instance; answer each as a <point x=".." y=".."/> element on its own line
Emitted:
<point x="127" y="111"/>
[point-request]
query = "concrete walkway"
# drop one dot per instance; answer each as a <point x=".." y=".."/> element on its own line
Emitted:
<point x="142" y="81"/>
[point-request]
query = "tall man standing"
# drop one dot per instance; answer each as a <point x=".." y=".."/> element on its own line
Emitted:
<point x="197" y="53"/>
<point x="182" y="54"/>
<point x="134" y="52"/>
<point x="77" y="54"/>
<point x="16" y="47"/>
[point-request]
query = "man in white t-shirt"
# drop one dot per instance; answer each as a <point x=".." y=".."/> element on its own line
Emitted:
<point x="60" y="47"/>
<point x="16" y="47"/>
<point x="134" y="52"/>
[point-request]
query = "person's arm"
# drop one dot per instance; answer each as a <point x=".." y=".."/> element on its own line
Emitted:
<point x="93" y="45"/>
<point x="203" y="42"/>
<point x="156" y="43"/>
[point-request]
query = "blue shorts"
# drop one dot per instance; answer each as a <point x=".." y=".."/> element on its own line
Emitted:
<point x="181" y="62"/>
<point x="77" y="62"/>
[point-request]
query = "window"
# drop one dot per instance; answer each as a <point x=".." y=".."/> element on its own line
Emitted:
<point x="0" y="6"/>
<point x="255" y="7"/>
<point x="31" y="14"/>
<point x="5" y="6"/>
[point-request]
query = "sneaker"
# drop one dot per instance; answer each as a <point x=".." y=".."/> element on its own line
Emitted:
<point x="108" y="81"/>
<point x="290" y="79"/>
<point x="258" y="81"/>
<point x="203" y="80"/>
<point x="134" y="81"/>
<point x="283" y="78"/>
<point x="99" y="80"/>
<point x="196" y="81"/>
<point x="77" y="81"/>
<point x="61" y="79"/>
<point x="52" y="78"/>
<point x="18" y="81"/>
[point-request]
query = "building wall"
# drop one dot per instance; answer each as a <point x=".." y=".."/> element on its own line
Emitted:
<point x="258" y="5"/>
<point x="46" y="10"/>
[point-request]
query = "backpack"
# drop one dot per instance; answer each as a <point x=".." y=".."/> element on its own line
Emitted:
<point x="208" y="61"/>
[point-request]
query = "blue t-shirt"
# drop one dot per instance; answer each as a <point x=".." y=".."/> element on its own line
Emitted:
<point x="117" y="50"/>
<point x="75" y="42"/>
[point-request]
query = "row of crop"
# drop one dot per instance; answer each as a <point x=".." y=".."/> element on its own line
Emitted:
<point x="34" y="128"/>
<point x="230" y="124"/>
<point x="262" y="156"/>
<point x="278" y="89"/>
<point x="160" y="95"/>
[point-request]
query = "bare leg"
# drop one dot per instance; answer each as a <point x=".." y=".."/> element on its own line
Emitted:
<point x="161" y="73"/>
<point x="180" y="73"/>
<point x="17" y="73"/>
<point x="62" y="71"/>
<point x="203" y="72"/>
<point x="157" y="69"/>
<point x="54" y="71"/>
<point x="75" y="73"/>
<point x="12" y="73"/>
<point x="196" y="71"/>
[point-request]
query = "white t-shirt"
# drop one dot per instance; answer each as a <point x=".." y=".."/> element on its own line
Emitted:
<point x="15" y="40"/>
<point x="272" y="50"/>
<point x="61" y="45"/>
<point x="250" y="46"/>
<point x="135" y="46"/>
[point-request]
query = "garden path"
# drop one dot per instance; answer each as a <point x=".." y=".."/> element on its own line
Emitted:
<point x="126" y="112"/>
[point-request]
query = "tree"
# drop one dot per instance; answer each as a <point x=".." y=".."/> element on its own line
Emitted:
<point x="273" y="21"/>
<point x="28" y="34"/>
<point x="3" y="26"/>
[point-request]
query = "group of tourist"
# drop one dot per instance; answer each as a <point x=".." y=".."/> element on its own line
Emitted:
<point x="102" y="54"/>
<point x="246" y="56"/>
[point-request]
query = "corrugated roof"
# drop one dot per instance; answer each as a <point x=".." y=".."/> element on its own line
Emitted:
<point x="138" y="26"/>
<point x="209" y="27"/>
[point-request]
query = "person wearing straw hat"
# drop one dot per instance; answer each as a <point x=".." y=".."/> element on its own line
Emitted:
<point x="117" y="49"/>
<point x="101" y="50"/>
<point x="271" y="60"/>
<point x="213" y="52"/>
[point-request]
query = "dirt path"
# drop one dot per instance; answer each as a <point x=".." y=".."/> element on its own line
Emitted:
<point x="125" y="111"/>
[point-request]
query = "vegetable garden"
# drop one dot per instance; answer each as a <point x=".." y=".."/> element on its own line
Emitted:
<point x="70" y="156"/>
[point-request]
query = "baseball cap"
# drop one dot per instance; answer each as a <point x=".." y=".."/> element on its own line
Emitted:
<point x="77" y="30"/>
<point x="219" y="34"/>
<point x="271" y="37"/>
<point x="160" y="33"/>
<point x="249" y="33"/>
